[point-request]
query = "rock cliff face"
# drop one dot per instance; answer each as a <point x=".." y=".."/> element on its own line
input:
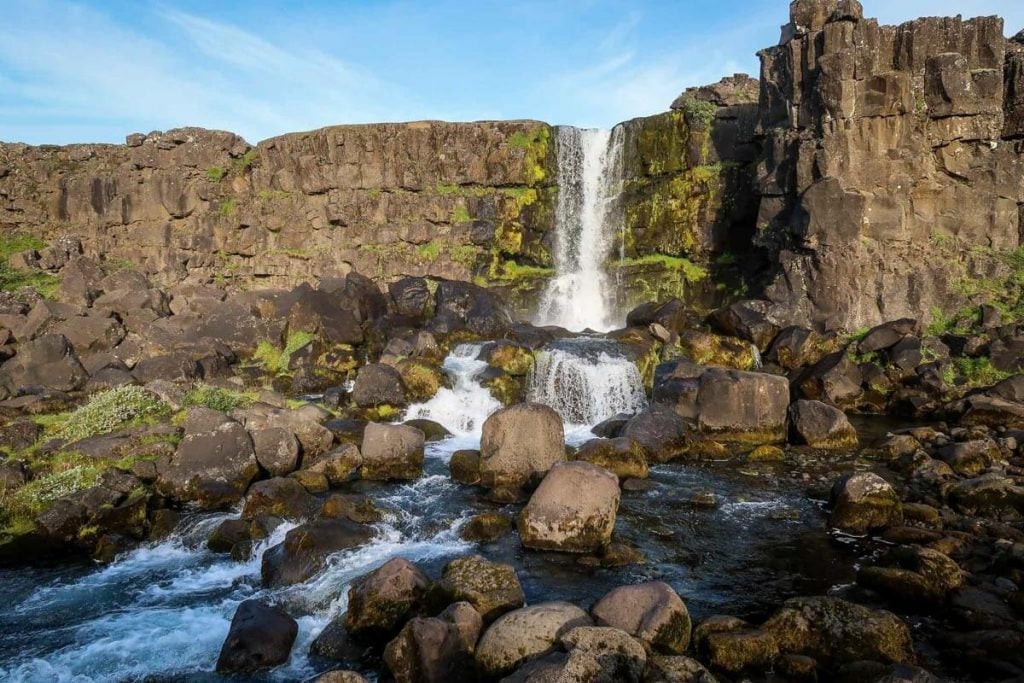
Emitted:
<point x="892" y="180"/>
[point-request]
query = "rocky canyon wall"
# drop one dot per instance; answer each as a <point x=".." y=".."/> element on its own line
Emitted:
<point x="892" y="181"/>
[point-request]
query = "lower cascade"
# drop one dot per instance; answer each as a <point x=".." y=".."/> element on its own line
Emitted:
<point x="464" y="407"/>
<point x="586" y="381"/>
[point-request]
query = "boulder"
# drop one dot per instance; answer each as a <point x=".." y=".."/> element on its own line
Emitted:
<point x="305" y="549"/>
<point x="214" y="463"/>
<point x="990" y="495"/>
<point x="410" y="297"/>
<point x="913" y="575"/>
<point x="48" y="361"/>
<point x="820" y="426"/>
<point x="970" y="458"/>
<point x="392" y="452"/>
<point x="337" y="466"/>
<point x="381" y="601"/>
<point x="260" y="637"/>
<point x="352" y="506"/>
<point x="887" y="335"/>
<point x="524" y="633"/>
<point x="491" y="588"/>
<point x="279" y="497"/>
<point x="486" y="527"/>
<point x="464" y="466"/>
<point x="436" y="650"/>
<point x="573" y="509"/>
<point x="621" y="456"/>
<point x="676" y="669"/>
<point x="750" y="320"/>
<point x="323" y="314"/>
<point x="835" y="380"/>
<point x="379" y="385"/>
<point x="277" y="450"/>
<point x="862" y="502"/>
<point x="463" y="305"/>
<point x="796" y="347"/>
<point x="520" y="443"/>
<point x="603" y="654"/>
<point x="744" y="407"/>
<point x="661" y="432"/>
<point x="651" y="612"/>
<point x="173" y="367"/>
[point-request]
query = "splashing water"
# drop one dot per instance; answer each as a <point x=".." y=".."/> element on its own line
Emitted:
<point x="586" y="223"/>
<point x="586" y="381"/>
<point x="463" y="408"/>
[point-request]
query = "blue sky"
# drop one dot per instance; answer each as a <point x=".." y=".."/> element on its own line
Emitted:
<point x="95" y="71"/>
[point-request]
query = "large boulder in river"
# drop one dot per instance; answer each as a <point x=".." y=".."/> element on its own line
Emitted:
<point x="573" y="509"/>
<point x="863" y="501"/>
<point x="279" y="497"/>
<point x="214" y="463"/>
<point x="48" y="361"/>
<point x="913" y="576"/>
<point x="436" y="650"/>
<point x="651" y="612"/>
<point x="491" y="588"/>
<point x="820" y="426"/>
<point x="660" y="431"/>
<point x="277" y="450"/>
<point x="260" y="637"/>
<point x="743" y="407"/>
<point x="379" y="385"/>
<point x="601" y="653"/>
<point x="528" y="632"/>
<point x="520" y="443"/>
<point x="381" y="601"/>
<point x="621" y="456"/>
<point x="305" y="549"/>
<point x="392" y="452"/>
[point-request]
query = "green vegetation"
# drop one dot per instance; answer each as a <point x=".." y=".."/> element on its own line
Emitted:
<point x="65" y="473"/>
<point x="275" y="360"/>
<point x="973" y="373"/>
<point x="460" y="214"/>
<point x="940" y="325"/>
<point x="511" y="270"/>
<point x="304" y="254"/>
<point x="244" y="163"/>
<point x="228" y="207"/>
<point x="13" y="280"/>
<point x="535" y="145"/>
<point x="272" y="195"/>
<point x="216" y="173"/>
<point x="429" y="251"/>
<point x="217" y="398"/>
<point x="109" y="411"/>
<point x="699" y="112"/>
<point x="690" y="271"/>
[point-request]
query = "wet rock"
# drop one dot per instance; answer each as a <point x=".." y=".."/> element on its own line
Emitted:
<point x="432" y="431"/>
<point x="820" y="426"/>
<point x="277" y="450"/>
<point x="622" y="456"/>
<point x="970" y="458"/>
<point x="378" y="385"/>
<point x="464" y="466"/>
<point x="491" y="588"/>
<point x="381" y="601"/>
<point x="573" y="509"/>
<point x="990" y="494"/>
<point x="48" y="361"/>
<point x="337" y="465"/>
<point x="340" y="677"/>
<point x="519" y="443"/>
<point x="602" y="654"/>
<point x="260" y="637"/>
<point x="335" y="643"/>
<point x="228" y="534"/>
<point x="612" y="427"/>
<point x="466" y="306"/>
<point x="352" y="506"/>
<point x="214" y="463"/>
<point x="862" y="502"/>
<point x="651" y="612"/>
<point x="436" y="650"/>
<point x="421" y="379"/>
<point x="392" y="452"/>
<point x="279" y="497"/>
<point x="525" y="633"/>
<point x="745" y="407"/>
<point x="913" y="575"/>
<point x="306" y="547"/>
<point x="661" y="432"/>
<point x="487" y="527"/>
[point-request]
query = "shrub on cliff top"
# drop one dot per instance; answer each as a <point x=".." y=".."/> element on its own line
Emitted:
<point x="111" y="410"/>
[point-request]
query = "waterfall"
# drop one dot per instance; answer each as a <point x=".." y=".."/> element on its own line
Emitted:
<point x="587" y="221"/>
<point x="463" y="408"/>
<point x="586" y="381"/>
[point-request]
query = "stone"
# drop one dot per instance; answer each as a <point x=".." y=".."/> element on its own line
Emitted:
<point x="661" y="432"/>
<point x="863" y="502"/>
<point x="913" y="575"/>
<point x="464" y="466"/>
<point x="429" y="651"/>
<point x="305" y="549"/>
<point x="520" y="443"/>
<point x="834" y="380"/>
<point x="651" y="612"/>
<point x="821" y="426"/>
<point x="749" y="320"/>
<point x="352" y="506"/>
<point x="411" y="297"/>
<point x="885" y="336"/>
<point x="676" y="669"/>
<point x="338" y="465"/>
<point x="525" y="633"/>
<point x="573" y="509"/>
<point x="381" y="601"/>
<point x="970" y="458"/>
<point x="622" y="456"/>
<point x="277" y="450"/>
<point x="990" y="494"/>
<point x="340" y="677"/>
<point x="48" y="361"/>
<point x="486" y="527"/>
<point x="602" y="654"/>
<point x="260" y="637"/>
<point x="392" y="452"/>
<point x="744" y="407"/>
<point x="279" y="497"/>
<point x="378" y="385"/>
<point x="214" y="463"/>
<point x="491" y="588"/>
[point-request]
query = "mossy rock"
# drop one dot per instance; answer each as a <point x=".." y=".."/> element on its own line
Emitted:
<point x="507" y="389"/>
<point x="706" y="348"/>
<point x="422" y="380"/>
<point x="512" y="359"/>
<point x="766" y="453"/>
<point x="486" y="527"/>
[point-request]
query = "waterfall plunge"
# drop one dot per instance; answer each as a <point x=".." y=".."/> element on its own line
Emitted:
<point x="586" y="381"/>
<point x="587" y="221"/>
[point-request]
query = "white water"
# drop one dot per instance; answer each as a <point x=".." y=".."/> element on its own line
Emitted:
<point x="463" y="408"/>
<point x="587" y="220"/>
<point x="586" y="382"/>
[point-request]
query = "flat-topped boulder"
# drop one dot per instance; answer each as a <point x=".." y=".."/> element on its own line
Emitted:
<point x="520" y="443"/>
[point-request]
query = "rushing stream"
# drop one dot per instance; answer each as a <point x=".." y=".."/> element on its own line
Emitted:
<point x="165" y="609"/>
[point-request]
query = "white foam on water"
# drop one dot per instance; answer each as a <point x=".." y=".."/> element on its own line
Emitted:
<point x="463" y="408"/>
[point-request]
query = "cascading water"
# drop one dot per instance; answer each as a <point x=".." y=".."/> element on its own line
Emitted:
<point x="586" y="381"/>
<point x="463" y="408"/>
<point x="586" y="224"/>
